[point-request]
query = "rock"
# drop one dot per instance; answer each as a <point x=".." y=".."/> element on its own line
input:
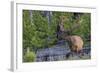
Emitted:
<point x="61" y="51"/>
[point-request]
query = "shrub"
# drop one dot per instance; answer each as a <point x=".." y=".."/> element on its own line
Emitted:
<point x="29" y="56"/>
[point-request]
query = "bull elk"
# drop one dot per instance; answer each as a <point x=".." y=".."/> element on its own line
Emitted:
<point x="75" y="42"/>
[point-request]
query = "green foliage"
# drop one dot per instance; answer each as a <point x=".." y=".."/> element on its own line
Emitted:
<point x="38" y="33"/>
<point x="41" y="28"/>
<point x="85" y="27"/>
<point x="34" y="34"/>
<point x="29" y="57"/>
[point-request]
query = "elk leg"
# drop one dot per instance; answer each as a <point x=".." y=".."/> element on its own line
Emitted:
<point x="80" y="54"/>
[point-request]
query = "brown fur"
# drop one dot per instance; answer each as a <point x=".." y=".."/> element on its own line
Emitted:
<point x="75" y="42"/>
